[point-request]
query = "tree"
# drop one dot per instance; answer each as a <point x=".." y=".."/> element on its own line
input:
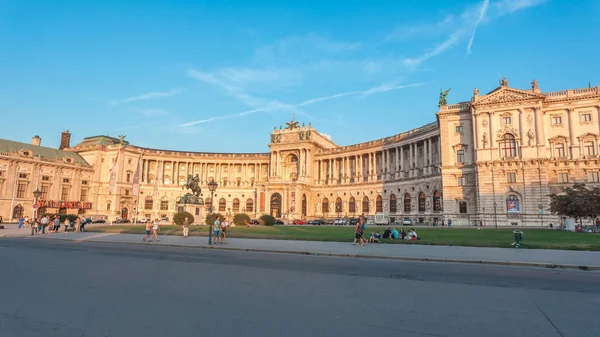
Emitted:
<point x="240" y="219"/>
<point x="179" y="217"/>
<point x="267" y="220"/>
<point x="210" y="219"/>
<point x="576" y="202"/>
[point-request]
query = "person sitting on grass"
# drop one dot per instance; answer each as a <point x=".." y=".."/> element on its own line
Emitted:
<point x="387" y="233"/>
<point x="377" y="237"/>
<point x="395" y="233"/>
<point x="412" y="235"/>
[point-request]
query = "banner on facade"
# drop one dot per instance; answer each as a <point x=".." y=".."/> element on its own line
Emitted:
<point x="63" y="204"/>
<point x="113" y="174"/>
<point x="158" y="177"/>
<point x="136" y="177"/>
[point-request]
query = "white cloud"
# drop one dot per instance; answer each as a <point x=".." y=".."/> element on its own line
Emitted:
<point x="150" y="112"/>
<point x="147" y="96"/>
<point x="326" y="136"/>
<point x="423" y="29"/>
<point x="303" y="47"/>
<point x="510" y="6"/>
<point x="264" y="105"/>
<point x="482" y="12"/>
<point x="470" y="19"/>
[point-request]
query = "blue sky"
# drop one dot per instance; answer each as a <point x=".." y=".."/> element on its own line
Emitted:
<point x="219" y="75"/>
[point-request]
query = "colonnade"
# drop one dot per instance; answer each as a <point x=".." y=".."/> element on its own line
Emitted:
<point x="410" y="160"/>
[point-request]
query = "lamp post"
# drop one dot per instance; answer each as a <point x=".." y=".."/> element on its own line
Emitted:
<point x="36" y="195"/>
<point x="495" y="216"/>
<point x="212" y="186"/>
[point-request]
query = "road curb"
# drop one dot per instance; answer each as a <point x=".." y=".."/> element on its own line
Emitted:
<point x="358" y="256"/>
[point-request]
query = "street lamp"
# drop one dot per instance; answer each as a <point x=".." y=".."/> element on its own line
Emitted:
<point x="36" y="195"/>
<point x="495" y="215"/>
<point x="212" y="187"/>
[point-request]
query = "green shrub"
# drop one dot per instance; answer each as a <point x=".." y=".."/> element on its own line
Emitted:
<point x="267" y="220"/>
<point x="179" y="217"/>
<point x="210" y="219"/>
<point x="240" y="219"/>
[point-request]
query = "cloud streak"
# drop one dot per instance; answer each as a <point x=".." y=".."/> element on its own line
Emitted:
<point x="275" y="104"/>
<point x="148" y="96"/>
<point x="482" y="11"/>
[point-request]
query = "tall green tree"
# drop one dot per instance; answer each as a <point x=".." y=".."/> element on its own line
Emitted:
<point x="576" y="202"/>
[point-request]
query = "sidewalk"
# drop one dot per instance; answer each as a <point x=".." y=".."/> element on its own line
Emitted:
<point x="497" y="256"/>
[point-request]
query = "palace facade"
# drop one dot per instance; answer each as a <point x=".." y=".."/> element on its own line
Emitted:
<point x="494" y="158"/>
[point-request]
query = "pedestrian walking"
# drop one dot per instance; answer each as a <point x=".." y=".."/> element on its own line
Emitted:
<point x="358" y="232"/>
<point x="155" y="230"/>
<point x="217" y="230"/>
<point x="186" y="227"/>
<point x="67" y="223"/>
<point x="56" y="224"/>
<point x="480" y="224"/>
<point x="21" y="222"/>
<point x="224" y="225"/>
<point x="148" y="230"/>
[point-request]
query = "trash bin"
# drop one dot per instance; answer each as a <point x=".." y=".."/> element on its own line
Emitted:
<point x="518" y="237"/>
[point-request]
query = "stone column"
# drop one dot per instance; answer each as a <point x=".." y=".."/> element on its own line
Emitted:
<point x="402" y="168"/>
<point x="143" y="170"/>
<point x="573" y="149"/>
<point x="397" y="161"/>
<point x="429" y="152"/>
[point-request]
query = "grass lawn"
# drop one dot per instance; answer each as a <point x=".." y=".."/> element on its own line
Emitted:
<point x="532" y="238"/>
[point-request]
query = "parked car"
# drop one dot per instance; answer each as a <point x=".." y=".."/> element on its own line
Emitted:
<point x="99" y="221"/>
<point x="352" y="221"/>
<point x="320" y="222"/>
<point x="165" y="219"/>
<point x="406" y="222"/>
<point x="339" y="222"/>
<point x="279" y="222"/>
<point x="329" y="222"/>
<point x="143" y="220"/>
<point x="254" y="222"/>
<point x="298" y="222"/>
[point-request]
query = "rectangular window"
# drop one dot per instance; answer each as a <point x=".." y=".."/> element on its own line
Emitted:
<point x="560" y="150"/>
<point x="506" y="120"/>
<point x="459" y="129"/>
<point x="588" y="148"/>
<point x="84" y="193"/>
<point x="593" y="177"/>
<point x="563" y="178"/>
<point x="460" y="156"/>
<point x="21" y="189"/>
<point x="2" y="173"/>
<point x="64" y="195"/>
<point x="586" y="117"/>
<point x="461" y="181"/>
<point x="45" y="190"/>
<point x="462" y="207"/>
<point x="45" y="178"/>
<point x="129" y="161"/>
<point x="66" y="180"/>
<point x="128" y="178"/>
<point x="23" y="175"/>
<point x="84" y="182"/>
<point x="511" y="177"/>
<point x="556" y="120"/>
<point x="126" y="191"/>
<point x="164" y="205"/>
<point x="148" y="204"/>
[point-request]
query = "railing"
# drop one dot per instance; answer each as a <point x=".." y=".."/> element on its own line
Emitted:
<point x="573" y="92"/>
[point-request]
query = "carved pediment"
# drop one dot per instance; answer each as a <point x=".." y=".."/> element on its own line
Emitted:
<point x="558" y="139"/>
<point x="507" y="129"/>
<point x="460" y="146"/>
<point x="506" y="95"/>
<point x="588" y="135"/>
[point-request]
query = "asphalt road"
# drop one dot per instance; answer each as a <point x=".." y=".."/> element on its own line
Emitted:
<point x="56" y="288"/>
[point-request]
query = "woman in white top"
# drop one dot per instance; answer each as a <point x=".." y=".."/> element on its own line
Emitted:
<point x="224" y="225"/>
<point x="155" y="230"/>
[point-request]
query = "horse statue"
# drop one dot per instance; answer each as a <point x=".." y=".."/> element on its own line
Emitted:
<point x="193" y="184"/>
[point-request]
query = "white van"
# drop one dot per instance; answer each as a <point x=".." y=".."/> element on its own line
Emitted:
<point x="382" y="219"/>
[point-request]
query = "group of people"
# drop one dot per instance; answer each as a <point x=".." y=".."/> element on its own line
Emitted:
<point x="389" y="233"/>
<point x="53" y="223"/>
<point x="152" y="228"/>
<point x="220" y="230"/>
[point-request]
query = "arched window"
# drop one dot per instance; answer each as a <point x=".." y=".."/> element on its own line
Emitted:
<point x="352" y="205"/>
<point x="222" y="205"/>
<point x="365" y="205"/>
<point x="512" y="204"/>
<point x="393" y="204"/>
<point x="164" y="204"/>
<point x="437" y="202"/>
<point x="407" y="203"/>
<point x="249" y="205"/>
<point x="17" y="212"/>
<point x="421" y="202"/>
<point x="148" y="203"/>
<point x="304" y="205"/>
<point x="325" y="205"/>
<point x="508" y="146"/>
<point x="236" y="205"/>
<point x="338" y="205"/>
<point x="379" y="204"/>
<point x="108" y="205"/>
